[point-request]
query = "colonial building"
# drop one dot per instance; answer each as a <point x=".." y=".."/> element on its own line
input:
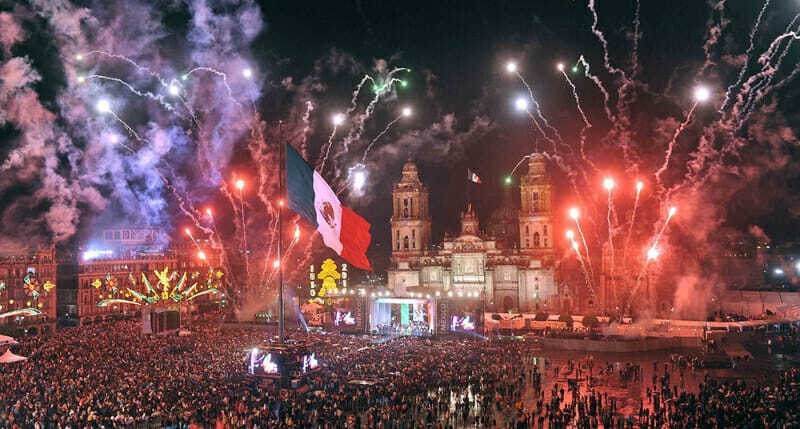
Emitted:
<point x="122" y="257"/>
<point x="28" y="290"/>
<point x="508" y="272"/>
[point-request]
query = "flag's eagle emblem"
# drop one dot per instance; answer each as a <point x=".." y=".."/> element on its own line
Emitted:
<point x="328" y="214"/>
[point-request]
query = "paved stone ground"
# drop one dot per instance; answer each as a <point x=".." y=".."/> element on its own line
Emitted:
<point x="630" y="393"/>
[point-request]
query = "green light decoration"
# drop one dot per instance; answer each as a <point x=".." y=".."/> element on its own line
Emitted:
<point x="205" y="292"/>
<point x="403" y="83"/>
<point x="107" y="302"/>
<point x="21" y="312"/>
<point x="164" y="293"/>
<point x="574" y="69"/>
<point x="508" y="180"/>
<point x="32" y="286"/>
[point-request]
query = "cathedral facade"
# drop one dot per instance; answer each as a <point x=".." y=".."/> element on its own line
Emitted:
<point x="510" y="268"/>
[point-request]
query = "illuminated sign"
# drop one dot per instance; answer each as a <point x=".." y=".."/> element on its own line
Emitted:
<point x="95" y="254"/>
<point x="331" y="280"/>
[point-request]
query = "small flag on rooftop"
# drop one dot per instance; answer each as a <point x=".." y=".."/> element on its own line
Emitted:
<point x="472" y="177"/>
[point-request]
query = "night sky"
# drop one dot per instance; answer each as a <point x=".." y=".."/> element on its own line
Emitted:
<point x="461" y="94"/>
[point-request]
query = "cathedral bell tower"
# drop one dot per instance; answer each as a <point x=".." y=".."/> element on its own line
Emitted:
<point x="411" y="222"/>
<point x="535" y="217"/>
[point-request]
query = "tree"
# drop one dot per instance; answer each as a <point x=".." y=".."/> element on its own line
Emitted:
<point x="566" y="318"/>
<point x="590" y="321"/>
<point x="541" y="316"/>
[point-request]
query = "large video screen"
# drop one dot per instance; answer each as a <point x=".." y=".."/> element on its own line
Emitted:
<point x="264" y="363"/>
<point x="344" y="318"/>
<point x="461" y="316"/>
<point x="346" y="314"/>
<point x="281" y="362"/>
<point x="464" y="322"/>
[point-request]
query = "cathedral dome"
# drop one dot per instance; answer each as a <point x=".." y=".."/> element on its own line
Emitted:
<point x="503" y="223"/>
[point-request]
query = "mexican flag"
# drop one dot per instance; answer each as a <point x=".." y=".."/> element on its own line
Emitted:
<point x="309" y="196"/>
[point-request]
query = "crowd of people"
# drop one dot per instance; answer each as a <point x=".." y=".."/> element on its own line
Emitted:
<point x="110" y="375"/>
<point x="414" y="328"/>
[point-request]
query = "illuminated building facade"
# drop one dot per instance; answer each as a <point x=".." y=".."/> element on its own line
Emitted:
<point x="123" y="256"/>
<point x="622" y="276"/>
<point x="501" y="274"/>
<point x="28" y="286"/>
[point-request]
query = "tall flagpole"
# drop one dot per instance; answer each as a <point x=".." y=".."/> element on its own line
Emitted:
<point x="281" y="170"/>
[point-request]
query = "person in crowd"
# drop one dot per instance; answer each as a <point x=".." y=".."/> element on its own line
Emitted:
<point x="112" y="376"/>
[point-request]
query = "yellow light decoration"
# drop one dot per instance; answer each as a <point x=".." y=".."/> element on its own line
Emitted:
<point x="28" y="304"/>
<point x="40" y="305"/>
<point x="11" y="301"/>
<point x="163" y="291"/>
<point x="328" y="275"/>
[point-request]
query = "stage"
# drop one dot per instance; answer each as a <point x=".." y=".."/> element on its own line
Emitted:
<point x="402" y="316"/>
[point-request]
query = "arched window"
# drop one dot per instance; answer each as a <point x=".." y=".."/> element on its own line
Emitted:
<point x="527" y="230"/>
<point x="535" y="239"/>
<point x="405" y="242"/>
<point x="397" y="239"/>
